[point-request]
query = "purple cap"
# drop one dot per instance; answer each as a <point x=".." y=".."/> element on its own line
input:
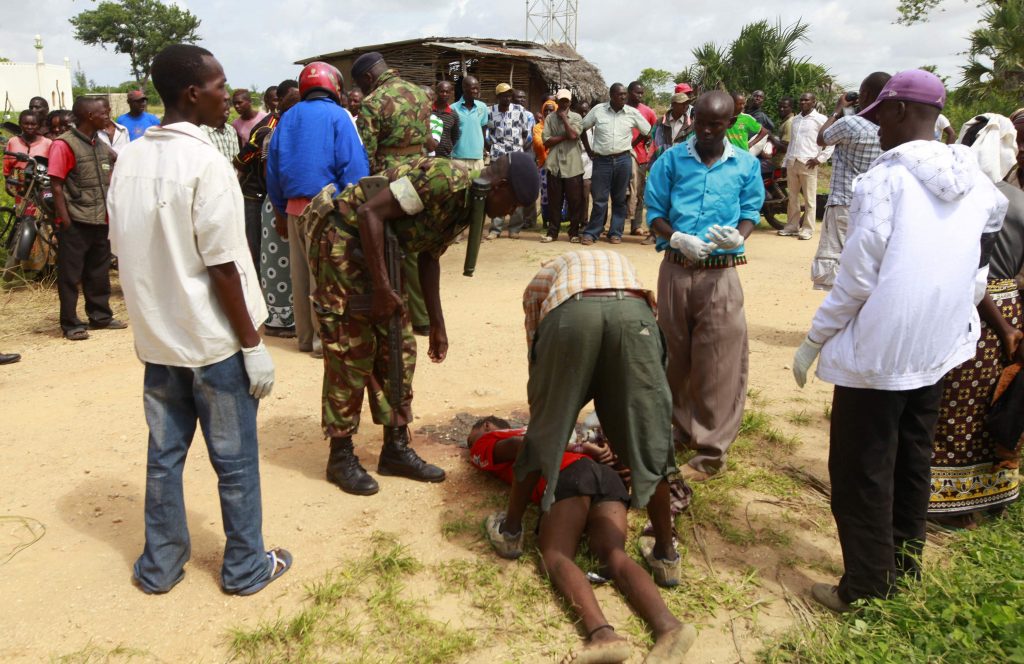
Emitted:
<point x="916" y="85"/>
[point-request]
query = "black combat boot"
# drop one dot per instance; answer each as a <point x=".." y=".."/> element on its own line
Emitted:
<point x="397" y="458"/>
<point x="344" y="470"/>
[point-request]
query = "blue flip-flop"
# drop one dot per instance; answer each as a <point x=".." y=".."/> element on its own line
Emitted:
<point x="276" y="557"/>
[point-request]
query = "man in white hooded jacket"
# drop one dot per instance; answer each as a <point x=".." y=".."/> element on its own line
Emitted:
<point x="901" y="314"/>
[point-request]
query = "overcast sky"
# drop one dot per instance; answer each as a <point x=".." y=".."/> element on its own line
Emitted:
<point x="257" y="41"/>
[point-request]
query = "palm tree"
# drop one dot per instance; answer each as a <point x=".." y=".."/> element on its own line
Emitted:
<point x="762" y="57"/>
<point x="995" y="65"/>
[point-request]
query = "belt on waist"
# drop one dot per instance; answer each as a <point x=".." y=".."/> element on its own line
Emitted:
<point x="710" y="263"/>
<point x="611" y="156"/>
<point x="619" y="293"/>
<point x="400" y="151"/>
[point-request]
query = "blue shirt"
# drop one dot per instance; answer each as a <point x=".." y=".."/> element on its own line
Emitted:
<point x="693" y="197"/>
<point x="315" y="144"/>
<point x="137" y="126"/>
<point x="472" y="122"/>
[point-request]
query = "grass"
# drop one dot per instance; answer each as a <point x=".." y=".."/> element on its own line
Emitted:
<point x="968" y="607"/>
<point x="92" y="654"/>
<point x="362" y="612"/>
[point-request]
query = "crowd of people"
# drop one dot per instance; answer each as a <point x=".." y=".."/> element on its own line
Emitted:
<point x="323" y="216"/>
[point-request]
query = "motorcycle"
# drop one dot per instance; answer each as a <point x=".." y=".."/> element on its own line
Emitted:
<point x="776" y="193"/>
<point x="33" y="216"/>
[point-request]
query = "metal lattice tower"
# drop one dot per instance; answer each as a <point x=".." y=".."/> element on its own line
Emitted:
<point x="550" y="21"/>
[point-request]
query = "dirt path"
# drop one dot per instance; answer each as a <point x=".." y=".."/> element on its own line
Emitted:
<point x="72" y="457"/>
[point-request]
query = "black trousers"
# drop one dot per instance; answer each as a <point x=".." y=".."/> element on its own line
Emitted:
<point x="572" y="190"/>
<point x="879" y="462"/>
<point x="83" y="257"/>
<point x="254" y="228"/>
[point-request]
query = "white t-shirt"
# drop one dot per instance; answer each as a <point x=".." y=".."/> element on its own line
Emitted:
<point x="903" y="310"/>
<point x="120" y="141"/>
<point x="175" y="209"/>
<point x="941" y="123"/>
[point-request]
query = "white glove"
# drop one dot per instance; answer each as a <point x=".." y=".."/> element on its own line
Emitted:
<point x="726" y="237"/>
<point x="691" y="246"/>
<point x="803" y="360"/>
<point x="260" y="369"/>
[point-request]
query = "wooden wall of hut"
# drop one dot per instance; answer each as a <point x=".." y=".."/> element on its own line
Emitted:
<point x="425" y="66"/>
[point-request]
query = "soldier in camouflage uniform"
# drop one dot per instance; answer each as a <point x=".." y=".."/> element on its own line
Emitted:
<point x="427" y="205"/>
<point x="394" y="123"/>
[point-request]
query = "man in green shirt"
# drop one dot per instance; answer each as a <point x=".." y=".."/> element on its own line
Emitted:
<point x="745" y="130"/>
<point x="564" y="164"/>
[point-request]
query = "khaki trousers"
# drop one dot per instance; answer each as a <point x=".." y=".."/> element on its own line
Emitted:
<point x="700" y="313"/>
<point x="635" y="196"/>
<point x="802" y="181"/>
<point x="306" y="324"/>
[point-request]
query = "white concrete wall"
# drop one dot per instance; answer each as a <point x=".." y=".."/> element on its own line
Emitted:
<point x="19" y="82"/>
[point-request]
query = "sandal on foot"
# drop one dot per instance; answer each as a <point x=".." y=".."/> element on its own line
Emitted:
<point x="604" y="652"/>
<point x="77" y="334"/>
<point x="280" y="562"/>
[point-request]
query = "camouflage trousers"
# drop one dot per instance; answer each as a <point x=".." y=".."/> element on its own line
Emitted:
<point x="356" y="361"/>
<point x="355" y="348"/>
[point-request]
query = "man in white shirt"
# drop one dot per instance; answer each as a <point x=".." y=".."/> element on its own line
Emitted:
<point x="178" y="228"/>
<point x="114" y="135"/>
<point x="803" y="156"/>
<point x="613" y="123"/>
<point x="892" y="326"/>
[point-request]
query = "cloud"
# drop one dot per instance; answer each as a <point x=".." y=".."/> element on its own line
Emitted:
<point x="258" y="44"/>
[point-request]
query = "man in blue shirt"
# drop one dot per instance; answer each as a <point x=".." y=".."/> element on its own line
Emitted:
<point x="137" y="120"/>
<point x="315" y="144"/>
<point x="473" y="118"/>
<point x="703" y="200"/>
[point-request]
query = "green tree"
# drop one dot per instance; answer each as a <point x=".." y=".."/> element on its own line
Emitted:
<point x="653" y="80"/>
<point x="137" y="28"/>
<point x="762" y="57"/>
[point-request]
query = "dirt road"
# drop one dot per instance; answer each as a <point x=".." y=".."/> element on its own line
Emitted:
<point x="72" y="458"/>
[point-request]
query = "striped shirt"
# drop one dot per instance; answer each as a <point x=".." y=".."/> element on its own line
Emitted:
<point x="225" y="140"/>
<point x="574" y="272"/>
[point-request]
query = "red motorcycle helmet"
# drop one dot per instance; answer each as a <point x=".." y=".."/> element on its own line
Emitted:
<point x="321" y="76"/>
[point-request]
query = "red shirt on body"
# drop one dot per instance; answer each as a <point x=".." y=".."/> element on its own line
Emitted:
<point x="481" y="455"/>
<point x="40" y="148"/>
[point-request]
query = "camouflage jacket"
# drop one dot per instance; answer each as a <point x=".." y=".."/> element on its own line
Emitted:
<point x="395" y="115"/>
<point x="434" y="190"/>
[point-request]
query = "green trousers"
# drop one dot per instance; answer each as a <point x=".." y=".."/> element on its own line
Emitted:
<point x="608" y="349"/>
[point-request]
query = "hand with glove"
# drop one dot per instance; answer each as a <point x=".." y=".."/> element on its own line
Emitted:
<point x="803" y="360"/>
<point x="260" y="369"/>
<point x="691" y="246"/>
<point x="726" y="237"/>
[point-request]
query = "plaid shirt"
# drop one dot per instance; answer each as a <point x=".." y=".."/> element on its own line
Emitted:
<point x="856" y="141"/>
<point x="225" y="140"/>
<point x="574" y="272"/>
<point x="509" y="130"/>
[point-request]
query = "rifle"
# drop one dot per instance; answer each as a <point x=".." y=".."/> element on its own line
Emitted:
<point x="371" y="185"/>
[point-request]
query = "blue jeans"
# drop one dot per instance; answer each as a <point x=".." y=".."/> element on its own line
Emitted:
<point x="610" y="178"/>
<point x="217" y="396"/>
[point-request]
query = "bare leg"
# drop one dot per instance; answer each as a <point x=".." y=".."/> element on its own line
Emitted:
<point x="606" y="529"/>
<point x="560" y="533"/>
<point x="659" y="511"/>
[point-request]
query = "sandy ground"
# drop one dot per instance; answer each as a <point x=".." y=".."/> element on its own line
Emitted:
<point x="72" y="457"/>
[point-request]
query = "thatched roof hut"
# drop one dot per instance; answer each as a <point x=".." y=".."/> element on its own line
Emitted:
<point x="536" y="68"/>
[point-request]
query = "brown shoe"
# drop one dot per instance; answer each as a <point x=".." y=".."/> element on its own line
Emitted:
<point x="587" y="241"/>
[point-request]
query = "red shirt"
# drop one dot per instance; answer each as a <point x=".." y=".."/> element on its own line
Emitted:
<point x="62" y="160"/>
<point x="642" y="157"/>
<point x="40" y="148"/>
<point x="481" y="455"/>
